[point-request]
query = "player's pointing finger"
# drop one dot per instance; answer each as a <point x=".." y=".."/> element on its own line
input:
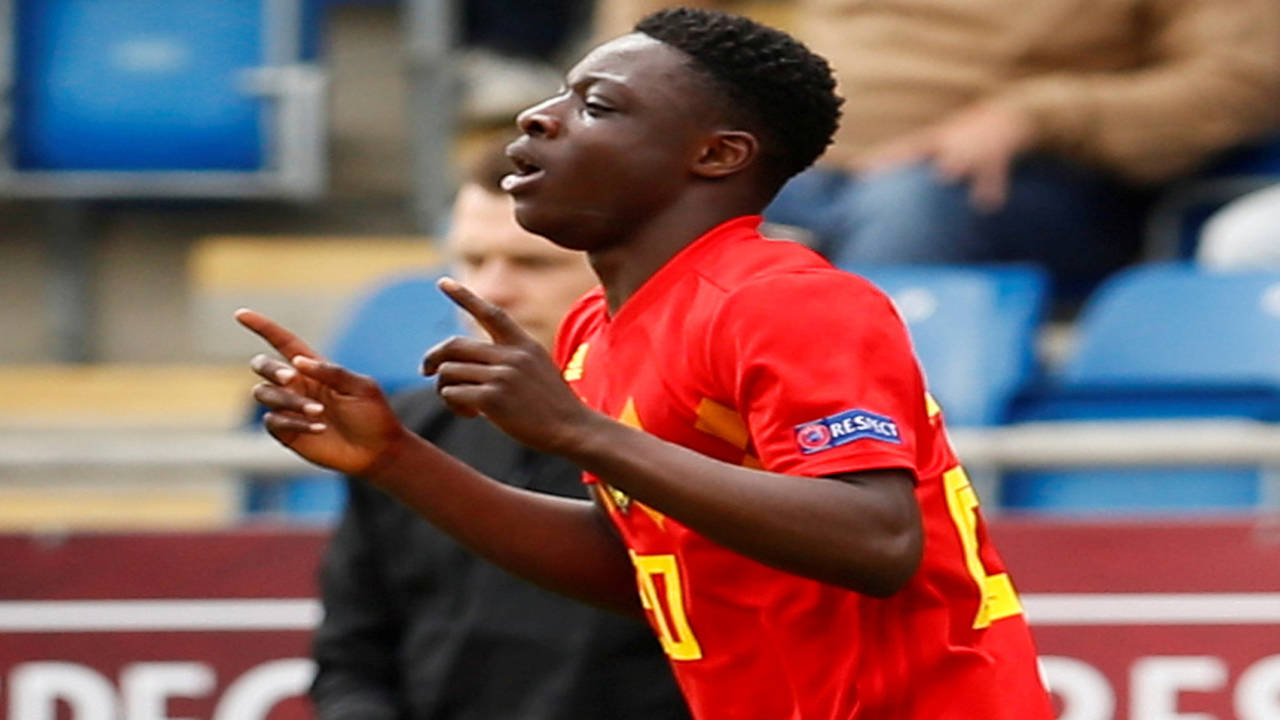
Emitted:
<point x="285" y="342"/>
<point x="492" y="318"/>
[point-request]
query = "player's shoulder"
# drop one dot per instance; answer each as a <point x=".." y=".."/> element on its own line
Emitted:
<point x="752" y="256"/>
<point x="586" y="313"/>
<point x="758" y="281"/>
<point x="590" y="303"/>
<point x="823" y="289"/>
<point x="760" y="265"/>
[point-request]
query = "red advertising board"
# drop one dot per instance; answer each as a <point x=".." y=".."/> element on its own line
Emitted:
<point x="1135" y="621"/>
<point x="208" y="626"/>
<point x="1153" y="620"/>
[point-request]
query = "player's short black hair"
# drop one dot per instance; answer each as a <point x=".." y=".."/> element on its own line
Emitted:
<point x="773" y="84"/>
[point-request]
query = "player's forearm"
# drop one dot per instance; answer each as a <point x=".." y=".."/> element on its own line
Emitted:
<point x="560" y="543"/>
<point x="862" y="532"/>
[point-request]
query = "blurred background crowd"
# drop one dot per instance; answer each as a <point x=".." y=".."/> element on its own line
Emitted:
<point x="1012" y="177"/>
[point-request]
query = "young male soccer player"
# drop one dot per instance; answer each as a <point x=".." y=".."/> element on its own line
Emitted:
<point x="775" y="479"/>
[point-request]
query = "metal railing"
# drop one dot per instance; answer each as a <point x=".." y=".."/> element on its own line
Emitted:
<point x="1030" y="445"/>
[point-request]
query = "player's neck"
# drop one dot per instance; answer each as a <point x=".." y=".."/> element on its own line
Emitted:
<point x="622" y="269"/>
<point x="625" y="266"/>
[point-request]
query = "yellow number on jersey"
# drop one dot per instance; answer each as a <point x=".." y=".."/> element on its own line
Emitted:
<point x="668" y="606"/>
<point x="998" y="597"/>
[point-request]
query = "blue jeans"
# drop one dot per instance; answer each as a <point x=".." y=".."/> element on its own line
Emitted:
<point x="1078" y="223"/>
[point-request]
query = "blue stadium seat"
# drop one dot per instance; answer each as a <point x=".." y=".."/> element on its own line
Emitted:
<point x="1161" y="341"/>
<point x="974" y="330"/>
<point x="392" y="326"/>
<point x="118" y="91"/>
<point x="384" y="336"/>
<point x="133" y="86"/>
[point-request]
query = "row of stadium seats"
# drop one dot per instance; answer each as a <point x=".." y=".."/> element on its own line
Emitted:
<point x="1158" y="341"/>
<point x="1161" y="341"/>
<point x="130" y="98"/>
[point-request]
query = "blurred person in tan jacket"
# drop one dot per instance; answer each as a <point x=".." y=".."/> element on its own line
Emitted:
<point x="984" y="130"/>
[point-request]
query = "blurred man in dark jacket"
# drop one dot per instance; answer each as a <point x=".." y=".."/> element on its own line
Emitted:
<point x="418" y="628"/>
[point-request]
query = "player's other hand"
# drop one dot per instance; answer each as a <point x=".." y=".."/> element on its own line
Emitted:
<point x="322" y="411"/>
<point x="511" y="380"/>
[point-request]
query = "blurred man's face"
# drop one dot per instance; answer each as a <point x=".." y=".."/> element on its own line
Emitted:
<point x="533" y="280"/>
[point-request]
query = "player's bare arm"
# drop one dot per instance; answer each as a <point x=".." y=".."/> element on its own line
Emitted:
<point x="860" y="531"/>
<point x="341" y="420"/>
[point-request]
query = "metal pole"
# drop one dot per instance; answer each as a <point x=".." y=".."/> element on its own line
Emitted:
<point x="433" y="100"/>
<point x="8" y="53"/>
<point x="72" y="257"/>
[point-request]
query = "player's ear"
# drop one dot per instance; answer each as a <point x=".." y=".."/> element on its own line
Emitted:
<point x="726" y="152"/>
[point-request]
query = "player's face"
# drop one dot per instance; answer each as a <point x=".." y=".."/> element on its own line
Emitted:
<point x="531" y="279"/>
<point x="612" y="149"/>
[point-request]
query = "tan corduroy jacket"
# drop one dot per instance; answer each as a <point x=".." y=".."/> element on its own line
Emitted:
<point x="1148" y="88"/>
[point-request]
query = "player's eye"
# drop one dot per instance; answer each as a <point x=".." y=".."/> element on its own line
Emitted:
<point x="595" y="108"/>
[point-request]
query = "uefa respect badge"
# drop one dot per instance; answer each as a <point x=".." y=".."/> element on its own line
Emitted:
<point x="843" y="428"/>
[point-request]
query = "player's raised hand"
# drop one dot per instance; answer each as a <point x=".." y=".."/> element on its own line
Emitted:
<point x="512" y="380"/>
<point x="320" y="410"/>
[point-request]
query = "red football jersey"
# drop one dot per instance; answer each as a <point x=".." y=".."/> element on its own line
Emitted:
<point x="757" y="352"/>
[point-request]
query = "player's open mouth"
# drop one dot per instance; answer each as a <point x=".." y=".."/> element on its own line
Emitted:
<point x="526" y="172"/>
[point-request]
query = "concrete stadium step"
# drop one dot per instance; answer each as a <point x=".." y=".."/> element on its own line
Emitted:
<point x="121" y="396"/>
<point x="81" y="404"/>
<point x="95" y="500"/>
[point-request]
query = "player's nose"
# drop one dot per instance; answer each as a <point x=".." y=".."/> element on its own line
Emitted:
<point x="540" y="120"/>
